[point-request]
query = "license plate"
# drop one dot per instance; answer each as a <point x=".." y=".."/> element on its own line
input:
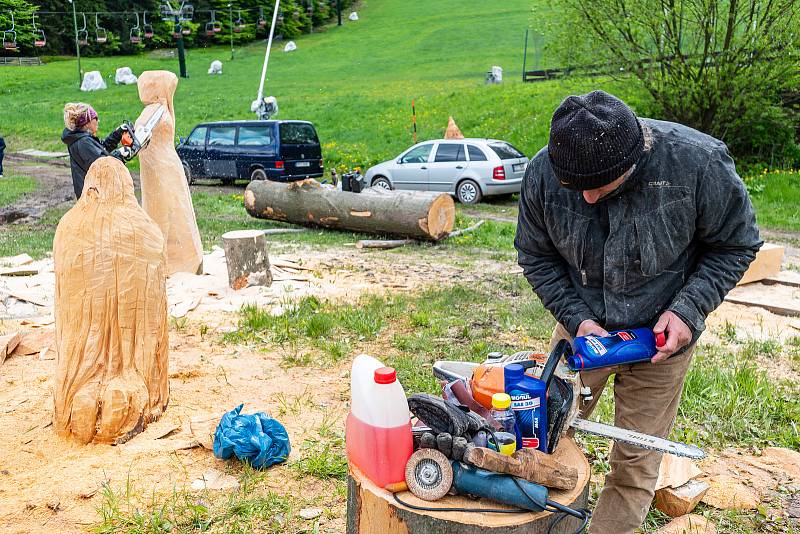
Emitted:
<point x="518" y="167"/>
<point x="303" y="164"/>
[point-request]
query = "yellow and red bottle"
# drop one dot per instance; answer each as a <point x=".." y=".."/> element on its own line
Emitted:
<point x="378" y="430"/>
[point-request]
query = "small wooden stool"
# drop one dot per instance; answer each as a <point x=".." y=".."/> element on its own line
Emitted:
<point x="373" y="510"/>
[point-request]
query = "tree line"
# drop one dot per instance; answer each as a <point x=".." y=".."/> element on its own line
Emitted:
<point x="114" y="22"/>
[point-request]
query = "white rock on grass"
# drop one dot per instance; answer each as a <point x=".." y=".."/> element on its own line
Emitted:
<point x="215" y="67"/>
<point x="290" y="46"/>
<point x="310" y="513"/>
<point x="353" y="16"/>
<point x="93" y="81"/>
<point x="125" y="76"/>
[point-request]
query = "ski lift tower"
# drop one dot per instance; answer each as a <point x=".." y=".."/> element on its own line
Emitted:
<point x="183" y="13"/>
<point x="266" y="107"/>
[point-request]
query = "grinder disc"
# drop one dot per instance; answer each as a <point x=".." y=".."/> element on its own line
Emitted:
<point x="429" y="474"/>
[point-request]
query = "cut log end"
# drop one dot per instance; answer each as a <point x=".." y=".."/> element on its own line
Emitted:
<point x="441" y="217"/>
<point x="372" y="509"/>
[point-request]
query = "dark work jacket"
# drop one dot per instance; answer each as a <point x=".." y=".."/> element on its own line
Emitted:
<point x="84" y="149"/>
<point x="678" y="235"/>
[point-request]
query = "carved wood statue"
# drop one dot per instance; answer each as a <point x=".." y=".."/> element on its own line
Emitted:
<point x="111" y="312"/>
<point x="165" y="192"/>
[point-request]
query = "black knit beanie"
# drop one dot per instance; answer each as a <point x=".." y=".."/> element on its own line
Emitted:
<point x="594" y="139"/>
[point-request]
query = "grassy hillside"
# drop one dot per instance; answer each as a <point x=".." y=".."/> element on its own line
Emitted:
<point x="355" y="82"/>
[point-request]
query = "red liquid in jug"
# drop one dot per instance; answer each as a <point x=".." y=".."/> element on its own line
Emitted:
<point x="380" y="453"/>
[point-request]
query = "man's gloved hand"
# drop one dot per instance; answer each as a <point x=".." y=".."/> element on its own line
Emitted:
<point x="678" y="335"/>
<point x="590" y="327"/>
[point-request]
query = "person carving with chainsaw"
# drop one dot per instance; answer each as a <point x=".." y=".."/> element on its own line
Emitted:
<point x="80" y="130"/>
<point x="629" y="222"/>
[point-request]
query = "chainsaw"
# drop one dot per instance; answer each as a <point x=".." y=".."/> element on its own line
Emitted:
<point x="134" y="140"/>
<point x="483" y="380"/>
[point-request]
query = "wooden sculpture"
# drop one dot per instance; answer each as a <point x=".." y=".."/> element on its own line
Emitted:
<point x="111" y="312"/>
<point x="165" y="192"/>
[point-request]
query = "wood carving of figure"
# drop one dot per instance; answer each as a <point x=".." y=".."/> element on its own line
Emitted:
<point x="111" y="312"/>
<point x="165" y="192"/>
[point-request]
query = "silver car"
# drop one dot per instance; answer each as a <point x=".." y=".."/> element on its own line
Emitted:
<point x="469" y="169"/>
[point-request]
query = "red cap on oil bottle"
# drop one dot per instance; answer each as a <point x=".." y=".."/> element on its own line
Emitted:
<point x="661" y="339"/>
<point x="385" y="375"/>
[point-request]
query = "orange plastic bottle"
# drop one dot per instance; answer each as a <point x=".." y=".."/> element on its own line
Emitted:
<point x="378" y="430"/>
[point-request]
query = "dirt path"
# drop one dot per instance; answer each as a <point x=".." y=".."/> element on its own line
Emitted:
<point x="54" y="181"/>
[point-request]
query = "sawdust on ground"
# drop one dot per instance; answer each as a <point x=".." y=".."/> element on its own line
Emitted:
<point x="51" y="485"/>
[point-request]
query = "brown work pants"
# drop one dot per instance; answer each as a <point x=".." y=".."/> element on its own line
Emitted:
<point x="646" y="398"/>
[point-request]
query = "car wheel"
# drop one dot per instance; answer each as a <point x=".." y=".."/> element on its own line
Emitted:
<point x="468" y="192"/>
<point x="258" y="174"/>
<point x="188" y="172"/>
<point x="382" y="182"/>
<point x="228" y="181"/>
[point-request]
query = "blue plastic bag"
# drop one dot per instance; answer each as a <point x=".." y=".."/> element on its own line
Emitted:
<point x="256" y="439"/>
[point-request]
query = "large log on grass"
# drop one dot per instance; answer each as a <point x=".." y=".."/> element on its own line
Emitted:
<point x="414" y="214"/>
<point x="111" y="334"/>
<point x="371" y="509"/>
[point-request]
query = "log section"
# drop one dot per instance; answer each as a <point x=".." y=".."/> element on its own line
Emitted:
<point x="371" y="509"/>
<point x="414" y="214"/>
<point x="247" y="259"/>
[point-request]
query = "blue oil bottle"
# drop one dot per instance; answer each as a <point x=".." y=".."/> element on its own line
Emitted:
<point x="620" y="347"/>
<point x="529" y="404"/>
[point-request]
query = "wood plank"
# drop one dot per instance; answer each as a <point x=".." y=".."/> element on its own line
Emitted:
<point x="788" y="278"/>
<point x="19" y="271"/>
<point x="767" y="263"/>
<point x="8" y="343"/>
<point x="779" y="299"/>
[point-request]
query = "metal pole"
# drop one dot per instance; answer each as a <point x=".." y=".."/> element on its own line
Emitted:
<point x="230" y="19"/>
<point x="339" y="11"/>
<point x="269" y="47"/>
<point x="181" y="53"/>
<point x="77" y="46"/>
<point x="524" y="55"/>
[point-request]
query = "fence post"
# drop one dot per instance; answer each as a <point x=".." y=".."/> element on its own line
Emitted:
<point x="524" y="55"/>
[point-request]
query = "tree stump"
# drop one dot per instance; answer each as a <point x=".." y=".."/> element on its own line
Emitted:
<point x="111" y="332"/>
<point x="165" y="191"/>
<point x="247" y="258"/>
<point x="371" y="509"/>
<point x="412" y="214"/>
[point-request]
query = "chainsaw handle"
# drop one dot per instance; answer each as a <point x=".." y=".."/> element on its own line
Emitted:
<point x="562" y="349"/>
<point x="127" y="139"/>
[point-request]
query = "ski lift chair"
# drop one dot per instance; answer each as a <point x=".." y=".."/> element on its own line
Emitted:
<point x="101" y="35"/>
<point x="83" y="34"/>
<point x="262" y="22"/>
<point x="212" y="25"/>
<point x="39" y="38"/>
<point x="148" y="28"/>
<point x="10" y="40"/>
<point x="176" y="32"/>
<point x="239" y="24"/>
<point x="136" y="32"/>
<point x="186" y="30"/>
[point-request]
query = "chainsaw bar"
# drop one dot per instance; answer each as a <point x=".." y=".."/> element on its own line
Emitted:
<point x="638" y="439"/>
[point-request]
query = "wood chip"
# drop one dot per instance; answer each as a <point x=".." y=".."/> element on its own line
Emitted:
<point x="676" y="502"/>
<point x="19" y="271"/>
<point x="675" y="471"/>
<point x="34" y="342"/>
<point x="8" y="343"/>
<point x="215" y="480"/>
<point x="688" y="524"/>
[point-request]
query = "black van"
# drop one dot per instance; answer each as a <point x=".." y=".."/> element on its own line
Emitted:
<point x="284" y="151"/>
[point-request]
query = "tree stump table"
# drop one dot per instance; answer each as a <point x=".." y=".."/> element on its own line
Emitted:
<point x="372" y="510"/>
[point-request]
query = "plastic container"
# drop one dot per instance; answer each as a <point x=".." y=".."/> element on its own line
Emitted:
<point x="529" y="404"/>
<point x="502" y="413"/>
<point x="620" y="347"/>
<point x="378" y="429"/>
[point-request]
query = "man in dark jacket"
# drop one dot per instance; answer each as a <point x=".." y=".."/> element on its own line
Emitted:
<point x="81" y="123"/>
<point x="2" y="154"/>
<point x="628" y="222"/>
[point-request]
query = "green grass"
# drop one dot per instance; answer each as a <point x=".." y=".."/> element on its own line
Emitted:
<point x="355" y="82"/>
<point x="776" y="195"/>
<point x="13" y="187"/>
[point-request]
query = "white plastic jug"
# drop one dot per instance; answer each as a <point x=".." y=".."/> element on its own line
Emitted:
<point x="378" y="431"/>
